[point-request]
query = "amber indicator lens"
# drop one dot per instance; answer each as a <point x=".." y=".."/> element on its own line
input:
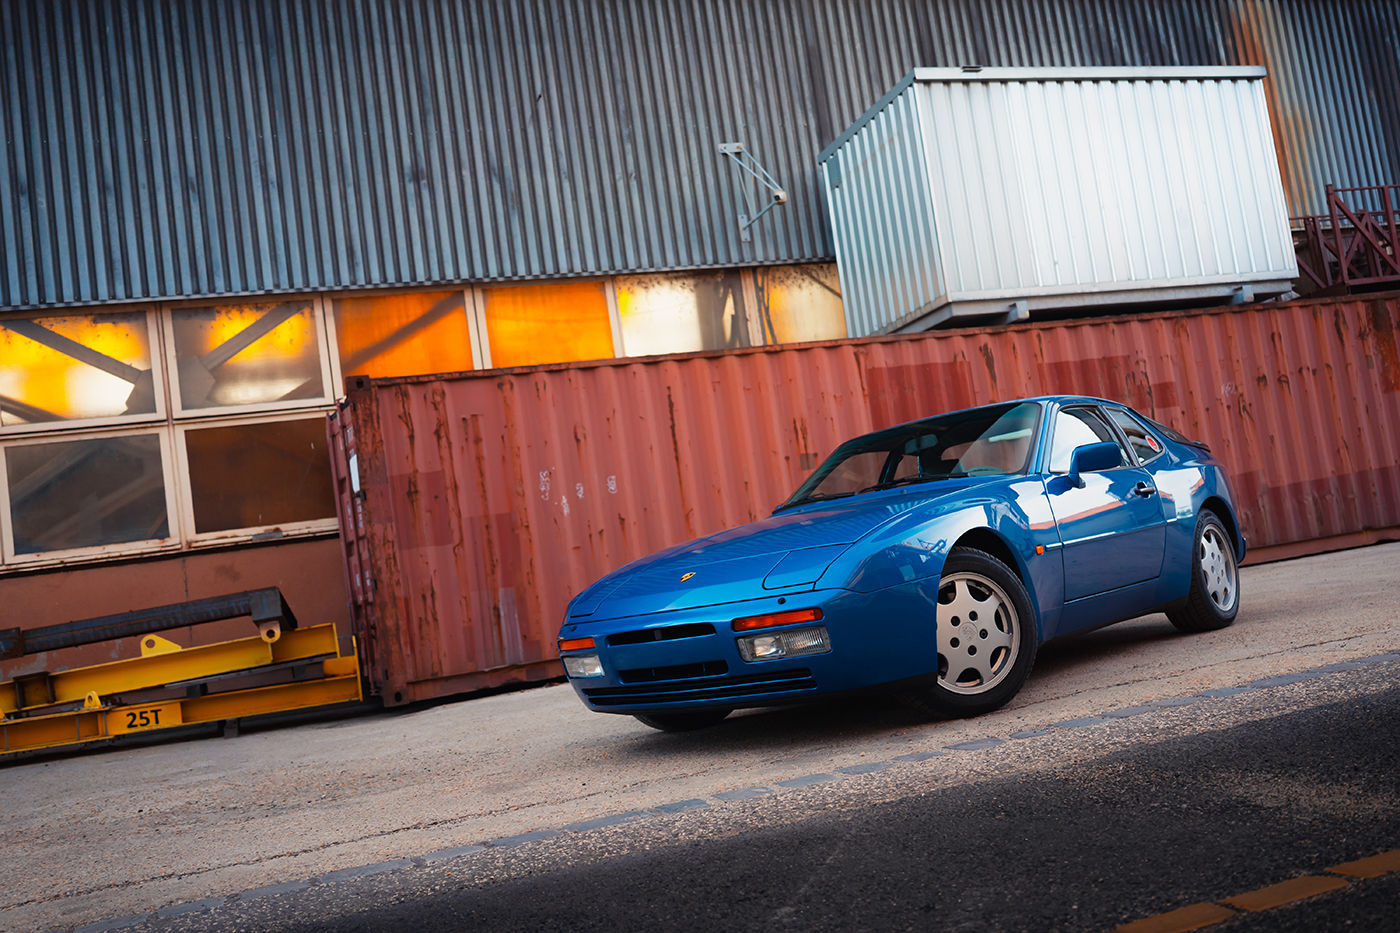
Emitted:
<point x="575" y="644"/>
<point x="749" y="623"/>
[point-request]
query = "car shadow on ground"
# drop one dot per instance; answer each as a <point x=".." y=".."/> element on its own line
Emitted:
<point x="1089" y="649"/>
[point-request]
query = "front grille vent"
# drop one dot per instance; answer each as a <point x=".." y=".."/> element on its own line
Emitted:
<point x="674" y="672"/>
<point x="664" y="633"/>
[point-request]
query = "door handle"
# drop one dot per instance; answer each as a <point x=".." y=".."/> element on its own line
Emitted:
<point x="1145" y="489"/>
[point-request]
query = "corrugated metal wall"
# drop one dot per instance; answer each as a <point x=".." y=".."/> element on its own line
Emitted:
<point x="162" y="149"/>
<point x="490" y="499"/>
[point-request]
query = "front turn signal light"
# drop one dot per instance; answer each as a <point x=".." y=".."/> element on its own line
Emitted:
<point x="749" y="623"/>
<point x="575" y="644"/>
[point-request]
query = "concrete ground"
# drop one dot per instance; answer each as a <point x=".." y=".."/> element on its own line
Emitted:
<point x="128" y="832"/>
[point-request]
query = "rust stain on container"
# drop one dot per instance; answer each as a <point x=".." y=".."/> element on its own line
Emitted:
<point x="488" y="499"/>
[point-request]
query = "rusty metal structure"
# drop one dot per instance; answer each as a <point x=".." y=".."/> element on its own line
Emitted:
<point x="267" y="608"/>
<point x="473" y="506"/>
<point x="1355" y="245"/>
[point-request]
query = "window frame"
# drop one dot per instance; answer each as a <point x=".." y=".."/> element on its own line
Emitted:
<point x="327" y="396"/>
<point x="1129" y="414"/>
<point x="155" y="346"/>
<point x="170" y="422"/>
<point x="172" y="542"/>
<point x="1123" y="446"/>
<point x="197" y="539"/>
<point x="474" y="322"/>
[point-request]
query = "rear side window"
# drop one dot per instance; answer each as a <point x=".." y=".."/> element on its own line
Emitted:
<point x="1139" y="438"/>
<point x="1075" y="427"/>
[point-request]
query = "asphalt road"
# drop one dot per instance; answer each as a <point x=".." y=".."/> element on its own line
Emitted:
<point x="1188" y="807"/>
<point x="1138" y="772"/>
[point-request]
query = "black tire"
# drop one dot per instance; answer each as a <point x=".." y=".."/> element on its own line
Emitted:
<point x="686" y="721"/>
<point x="968" y="685"/>
<point x="1214" y="599"/>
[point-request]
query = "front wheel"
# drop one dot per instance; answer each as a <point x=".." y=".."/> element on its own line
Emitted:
<point x="986" y="636"/>
<point x="682" y="721"/>
<point x="1214" y="599"/>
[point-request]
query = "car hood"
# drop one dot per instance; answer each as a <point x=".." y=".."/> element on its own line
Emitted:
<point x="787" y="551"/>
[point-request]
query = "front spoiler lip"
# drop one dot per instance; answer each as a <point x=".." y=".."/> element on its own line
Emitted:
<point x="796" y="698"/>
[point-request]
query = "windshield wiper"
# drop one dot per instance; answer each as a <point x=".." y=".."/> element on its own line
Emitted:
<point x="910" y="480"/>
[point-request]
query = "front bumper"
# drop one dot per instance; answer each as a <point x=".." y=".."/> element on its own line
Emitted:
<point x="689" y="659"/>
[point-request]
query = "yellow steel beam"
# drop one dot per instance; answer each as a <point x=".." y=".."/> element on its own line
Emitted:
<point x="237" y="703"/>
<point x="51" y="731"/>
<point x="166" y="663"/>
<point x="72" y="728"/>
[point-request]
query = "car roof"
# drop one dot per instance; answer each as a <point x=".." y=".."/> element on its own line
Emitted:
<point x="1035" y="400"/>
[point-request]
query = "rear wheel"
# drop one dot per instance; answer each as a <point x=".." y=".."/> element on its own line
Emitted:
<point x="986" y="636"/>
<point x="1214" y="599"/>
<point x="682" y="721"/>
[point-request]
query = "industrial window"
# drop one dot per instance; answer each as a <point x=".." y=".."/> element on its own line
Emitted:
<point x="65" y="495"/>
<point x="136" y="431"/>
<point x="528" y="325"/>
<point x="150" y="429"/>
<point x="258" y="474"/>
<point x="236" y="356"/>
<point x="682" y="313"/>
<point x="76" y="368"/>
<point x="799" y="303"/>
<point x="403" y="334"/>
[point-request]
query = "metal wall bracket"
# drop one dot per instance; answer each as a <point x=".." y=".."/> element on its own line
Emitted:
<point x="747" y="164"/>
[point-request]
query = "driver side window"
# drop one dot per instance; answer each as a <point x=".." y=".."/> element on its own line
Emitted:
<point x="1075" y="427"/>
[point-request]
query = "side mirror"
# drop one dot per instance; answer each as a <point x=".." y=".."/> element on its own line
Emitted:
<point x="1091" y="458"/>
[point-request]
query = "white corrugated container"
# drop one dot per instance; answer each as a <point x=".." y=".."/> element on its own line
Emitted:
<point x="1003" y="191"/>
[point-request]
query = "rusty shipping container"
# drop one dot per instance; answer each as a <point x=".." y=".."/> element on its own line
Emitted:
<point x="473" y="506"/>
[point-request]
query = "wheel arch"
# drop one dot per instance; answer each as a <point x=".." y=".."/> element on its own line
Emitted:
<point x="987" y="540"/>
<point x="1222" y="510"/>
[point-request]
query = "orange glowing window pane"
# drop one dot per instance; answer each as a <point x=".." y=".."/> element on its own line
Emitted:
<point x="403" y="335"/>
<point x="532" y="324"/>
<point x="681" y="313"/>
<point x="75" y="366"/>
<point x="800" y="303"/>
<point x="247" y="354"/>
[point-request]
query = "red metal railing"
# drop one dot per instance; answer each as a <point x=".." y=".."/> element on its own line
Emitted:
<point x="1356" y="244"/>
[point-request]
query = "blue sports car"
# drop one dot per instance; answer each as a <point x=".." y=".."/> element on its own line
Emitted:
<point x="933" y="557"/>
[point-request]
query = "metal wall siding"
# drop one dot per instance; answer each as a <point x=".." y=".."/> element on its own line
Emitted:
<point x="490" y="499"/>
<point x="161" y="150"/>
<point x="1056" y="185"/>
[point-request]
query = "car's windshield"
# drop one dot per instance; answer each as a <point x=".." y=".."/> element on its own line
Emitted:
<point x="990" y="441"/>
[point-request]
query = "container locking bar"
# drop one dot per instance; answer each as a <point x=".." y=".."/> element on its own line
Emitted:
<point x="267" y="607"/>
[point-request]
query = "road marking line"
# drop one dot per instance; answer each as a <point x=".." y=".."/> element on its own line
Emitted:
<point x="1206" y="913"/>
<point x="1285" y="892"/>
<point x="1372" y="867"/>
<point x="1181" y="920"/>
